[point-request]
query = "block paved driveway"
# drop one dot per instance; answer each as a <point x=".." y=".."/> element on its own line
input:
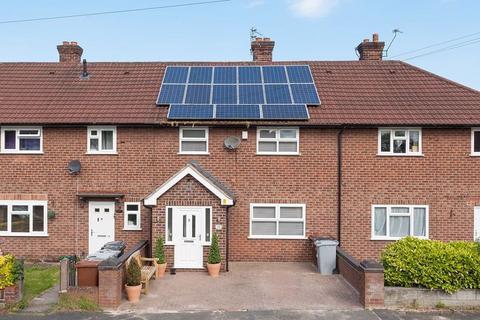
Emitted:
<point x="248" y="286"/>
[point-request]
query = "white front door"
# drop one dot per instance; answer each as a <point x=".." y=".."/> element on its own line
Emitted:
<point x="476" y="224"/>
<point x="101" y="224"/>
<point x="188" y="236"/>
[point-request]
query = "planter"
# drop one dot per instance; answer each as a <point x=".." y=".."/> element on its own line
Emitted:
<point x="213" y="269"/>
<point x="160" y="270"/>
<point x="133" y="293"/>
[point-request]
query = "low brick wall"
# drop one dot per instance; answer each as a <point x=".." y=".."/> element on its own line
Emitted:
<point x="90" y="293"/>
<point x="366" y="277"/>
<point x="398" y="297"/>
<point x="12" y="294"/>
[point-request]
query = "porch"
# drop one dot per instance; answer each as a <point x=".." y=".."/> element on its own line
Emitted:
<point x="248" y="286"/>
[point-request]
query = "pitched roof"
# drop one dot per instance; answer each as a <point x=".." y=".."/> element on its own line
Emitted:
<point x="352" y="93"/>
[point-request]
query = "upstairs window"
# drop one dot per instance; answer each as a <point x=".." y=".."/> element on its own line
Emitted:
<point x="278" y="141"/>
<point x="475" y="142"/>
<point x="23" y="218"/>
<point x="102" y="140"/>
<point x="395" y="222"/>
<point x="21" y="140"/>
<point x="132" y="216"/>
<point x="400" y="142"/>
<point x="194" y="140"/>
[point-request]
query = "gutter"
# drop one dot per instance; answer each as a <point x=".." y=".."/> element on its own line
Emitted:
<point x="339" y="184"/>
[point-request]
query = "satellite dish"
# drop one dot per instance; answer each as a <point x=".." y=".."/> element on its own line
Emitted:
<point x="231" y="142"/>
<point x="74" y="166"/>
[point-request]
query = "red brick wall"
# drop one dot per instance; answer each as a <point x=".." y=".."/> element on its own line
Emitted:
<point x="446" y="178"/>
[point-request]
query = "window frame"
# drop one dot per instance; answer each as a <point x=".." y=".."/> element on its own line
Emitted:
<point x="407" y="153"/>
<point x="277" y="220"/>
<point x="472" y="142"/>
<point x="181" y="139"/>
<point x="18" y="137"/>
<point x="138" y="213"/>
<point x="30" y="204"/>
<point x="387" y="221"/>
<point x="100" y="129"/>
<point x="277" y="139"/>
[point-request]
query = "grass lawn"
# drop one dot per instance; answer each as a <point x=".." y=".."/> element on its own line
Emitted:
<point x="38" y="278"/>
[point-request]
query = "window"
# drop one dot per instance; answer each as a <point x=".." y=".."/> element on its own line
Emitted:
<point x="475" y="142"/>
<point x="194" y="140"/>
<point x="400" y="142"/>
<point x="102" y="140"/>
<point x="395" y="222"/>
<point x="277" y="141"/>
<point x="21" y="140"/>
<point x="132" y="216"/>
<point x="23" y="218"/>
<point x="284" y="221"/>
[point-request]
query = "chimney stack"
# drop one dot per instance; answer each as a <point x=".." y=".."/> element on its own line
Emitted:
<point x="371" y="50"/>
<point x="262" y="49"/>
<point x="70" y="52"/>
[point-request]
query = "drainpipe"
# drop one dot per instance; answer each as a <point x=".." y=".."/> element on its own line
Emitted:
<point x="228" y="238"/>
<point x="151" y="233"/>
<point x="339" y="185"/>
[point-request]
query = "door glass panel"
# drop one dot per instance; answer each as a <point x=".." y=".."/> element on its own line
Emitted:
<point x="3" y="218"/>
<point x="184" y="226"/>
<point x="20" y="223"/>
<point x="169" y="226"/>
<point x="207" y="224"/>
<point x="194" y="222"/>
<point x="38" y="218"/>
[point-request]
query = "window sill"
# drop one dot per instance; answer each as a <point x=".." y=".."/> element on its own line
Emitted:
<point x="22" y="153"/>
<point x="193" y="153"/>
<point x="101" y="153"/>
<point x="277" y="238"/>
<point x="278" y="154"/>
<point x="132" y="229"/>
<point x="394" y="238"/>
<point x="474" y="155"/>
<point x="400" y="155"/>
<point x="23" y="235"/>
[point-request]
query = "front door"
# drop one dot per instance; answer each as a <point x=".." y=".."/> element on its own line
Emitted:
<point x="476" y="224"/>
<point x="101" y="224"/>
<point x="188" y="236"/>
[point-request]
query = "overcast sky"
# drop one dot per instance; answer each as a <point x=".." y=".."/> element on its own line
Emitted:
<point x="302" y="29"/>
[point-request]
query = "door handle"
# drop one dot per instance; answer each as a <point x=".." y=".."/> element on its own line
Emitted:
<point x="188" y="241"/>
<point x="200" y="237"/>
<point x="91" y="232"/>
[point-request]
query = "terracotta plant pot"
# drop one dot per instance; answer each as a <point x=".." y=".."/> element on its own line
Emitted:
<point x="160" y="270"/>
<point x="133" y="293"/>
<point x="213" y="269"/>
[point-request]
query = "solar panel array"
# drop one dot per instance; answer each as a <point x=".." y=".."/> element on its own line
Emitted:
<point x="238" y="92"/>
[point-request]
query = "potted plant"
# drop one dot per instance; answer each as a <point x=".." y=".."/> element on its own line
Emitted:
<point x="160" y="256"/>
<point x="214" y="258"/>
<point x="134" y="281"/>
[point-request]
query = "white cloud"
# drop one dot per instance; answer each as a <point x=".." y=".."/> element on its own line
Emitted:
<point x="312" y="8"/>
<point x="255" y="3"/>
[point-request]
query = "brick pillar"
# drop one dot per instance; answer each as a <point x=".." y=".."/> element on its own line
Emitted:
<point x="110" y="287"/>
<point x="372" y="294"/>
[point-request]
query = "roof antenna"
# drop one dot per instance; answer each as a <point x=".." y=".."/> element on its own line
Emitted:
<point x="85" y="71"/>
<point x="395" y="33"/>
<point x="254" y="33"/>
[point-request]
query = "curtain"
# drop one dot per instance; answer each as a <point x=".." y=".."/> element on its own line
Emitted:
<point x="380" y="224"/>
<point x="399" y="226"/>
<point x="419" y="222"/>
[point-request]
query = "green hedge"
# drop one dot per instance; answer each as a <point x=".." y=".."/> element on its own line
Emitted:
<point x="451" y="266"/>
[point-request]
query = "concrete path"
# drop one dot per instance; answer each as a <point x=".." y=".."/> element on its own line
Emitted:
<point x="248" y="286"/>
<point x="44" y="302"/>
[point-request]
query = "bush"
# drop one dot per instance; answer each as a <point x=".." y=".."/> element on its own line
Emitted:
<point x="214" y="254"/>
<point x="11" y="270"/>
<point x="413" y="262"/>
<point x="134" y="273"/>
<point x="159" y="251"/>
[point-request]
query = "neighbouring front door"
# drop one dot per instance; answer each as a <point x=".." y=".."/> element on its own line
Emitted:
<point x="476" y="224"/>
<point x="188" y="236"/>
<point x="101" y="224"/>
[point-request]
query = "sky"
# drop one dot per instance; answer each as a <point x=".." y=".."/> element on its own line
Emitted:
<point x="302" y="30"/>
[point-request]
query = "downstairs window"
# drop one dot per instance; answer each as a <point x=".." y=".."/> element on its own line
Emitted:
<point x="23" y="218"/>
<point x="282" y="221"/>
<point x="393" y="222"/>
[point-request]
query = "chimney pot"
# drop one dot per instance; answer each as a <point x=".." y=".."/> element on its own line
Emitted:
<point x="375" y="37"/>
<point x="69" y="52"/>
<point x="262" y="49"/>
<point x="371" y="50"/>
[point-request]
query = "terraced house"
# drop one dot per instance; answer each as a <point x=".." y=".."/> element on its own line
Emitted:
<point x="264" y="153"/>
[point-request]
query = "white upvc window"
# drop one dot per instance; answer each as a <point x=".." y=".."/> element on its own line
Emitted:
<point x="277" y="221"/>
<point x="21" y="140"/>
<point x="278" y="141"/>
<point x="475" y="142"/>
<point x="132" y="216"/>
<point x="102" y="140"/>
<point x="400" y="141"/>
<point x="193" y="140"/>
<point x="23" y="218"/>
<point x="393" y="222"/>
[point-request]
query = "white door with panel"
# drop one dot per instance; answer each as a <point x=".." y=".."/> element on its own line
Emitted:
<point x="476" y="224"/>
<point x="189" y="233"/>
<point x="101" y="224"/>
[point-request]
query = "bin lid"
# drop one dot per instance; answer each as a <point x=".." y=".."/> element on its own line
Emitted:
<point x="326" y="242"/>
<point x="87" y="263"/>
<point x="103" y="254"/>
<point x="114" y="245"/>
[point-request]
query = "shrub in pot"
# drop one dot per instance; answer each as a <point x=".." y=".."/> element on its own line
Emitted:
<point x="214" y="258"/>
<point x="134" y="281"/>
<point x="160" y="256"/>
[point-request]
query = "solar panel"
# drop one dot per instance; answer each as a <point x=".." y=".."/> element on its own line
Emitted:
<point x="171" y="93"/>
<point x="200" y="75"/>
<point x="249" y="75"/>
<point x="299" y="74"/>
<point x="224" y="94"/>
<point x="245" y="111"/>
<point x="226" y="75"/>
<point x="190" y="111"/>
<point x="198" y="94"/>
<point x="250" y="93"/>
<point x="277" y="93"/>
<point x="176" y="75"/>
<point x="304" y="93"/>
<point x="284" y="112"/>
<point x="274" y="74"/>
